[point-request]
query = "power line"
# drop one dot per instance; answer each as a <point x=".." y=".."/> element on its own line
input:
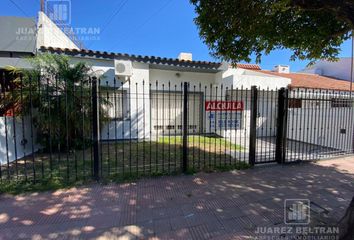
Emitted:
<point x="168" y="2"/>
<point x="110" y="19"/>
<point x="19" y="8"/>
<point x="108" y="22"/>
<point x="50" y="29"/>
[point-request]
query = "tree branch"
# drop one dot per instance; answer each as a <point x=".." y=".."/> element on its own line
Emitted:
<point x="342" y="9"/>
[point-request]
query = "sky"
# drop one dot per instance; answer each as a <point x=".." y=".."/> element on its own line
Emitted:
<point x="156" y="27"/>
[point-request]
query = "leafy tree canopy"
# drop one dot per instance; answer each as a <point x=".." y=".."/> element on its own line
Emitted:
<point x="234" y="30"/>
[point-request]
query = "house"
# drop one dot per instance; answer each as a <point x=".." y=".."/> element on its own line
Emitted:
<point x="340" y="69"/>
<point x="17" y="42"/>
<point x="146" y="95"/>
<point x="320" y="105"/>
<point x="159" y="80"/>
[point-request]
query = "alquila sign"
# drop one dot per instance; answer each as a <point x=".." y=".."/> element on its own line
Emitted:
<point x="224" y="106"/>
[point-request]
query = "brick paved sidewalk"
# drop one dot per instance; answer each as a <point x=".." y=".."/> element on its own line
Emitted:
<point x="227" y="205"/>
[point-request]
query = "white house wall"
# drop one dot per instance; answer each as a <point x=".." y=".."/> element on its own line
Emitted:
<point x="321" y="125"/>
<point x="138" y="126"/>
<point x="194" y="78"/>
<point x="11" y="146"/>
<point x="262" y="82"/>
<point x="340" y="69"/>
<point x="50" y="35"/>
<point x="324" y="127"/>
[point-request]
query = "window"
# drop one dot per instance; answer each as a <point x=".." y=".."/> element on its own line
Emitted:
<point x="117" y="105"/>
<point x="295" y="103"/>
<point x="341" y="102"/>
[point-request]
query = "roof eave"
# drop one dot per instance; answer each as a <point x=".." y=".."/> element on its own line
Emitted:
<point x="155" y="62"/>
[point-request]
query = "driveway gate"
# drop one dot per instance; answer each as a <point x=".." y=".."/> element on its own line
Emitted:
<point x="264" y="115"/>
<point x="319" y="124"/>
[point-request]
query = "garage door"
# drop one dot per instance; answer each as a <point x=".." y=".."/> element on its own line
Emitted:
<point x="167" y="112"/>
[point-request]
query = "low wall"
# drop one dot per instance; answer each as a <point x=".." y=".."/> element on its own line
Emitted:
<point x="331" y="127"/>
<point x="15" y="145"/>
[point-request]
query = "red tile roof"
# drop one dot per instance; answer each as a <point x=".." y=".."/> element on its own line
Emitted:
<point x="304" y="80"/>
<point x="248" y="66"/>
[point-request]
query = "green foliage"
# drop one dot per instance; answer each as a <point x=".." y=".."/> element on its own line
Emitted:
<point x="14" y="187"/>
<point x="57" y="95"/>
<point x="235" y="30"/>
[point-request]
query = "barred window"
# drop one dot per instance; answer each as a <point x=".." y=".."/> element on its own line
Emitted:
<point x="295" y="103"/>
<point x="117" y="106"/>
<point x="341" y="102"/>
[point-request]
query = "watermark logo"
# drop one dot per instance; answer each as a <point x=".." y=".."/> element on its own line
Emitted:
<point x="297" y="211"/>
<point x="297" y="220"/>
<point x="26" y="34"/>
<point x="59" y="11"/>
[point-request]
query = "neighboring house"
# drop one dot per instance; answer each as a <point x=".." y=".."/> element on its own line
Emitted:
<point x="17" y="41"/>
<point x="323" y="105"/>
<point x="339" y="70"/>
<point x="20" y="38"/>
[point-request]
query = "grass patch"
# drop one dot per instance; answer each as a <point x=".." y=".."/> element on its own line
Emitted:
<point x="203" y="142"/>
<point x="120" y="162"/>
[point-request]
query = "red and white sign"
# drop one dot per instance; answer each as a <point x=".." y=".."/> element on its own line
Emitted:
<point x="224" y="106"/>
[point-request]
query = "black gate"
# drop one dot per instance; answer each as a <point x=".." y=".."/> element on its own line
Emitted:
<point x="319" y="124"/>
<point x="310" y="124"/>
<point x="264" y="125"/>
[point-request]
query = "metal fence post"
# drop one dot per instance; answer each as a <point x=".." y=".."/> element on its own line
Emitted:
<point x="185" y="128"/>
<point x="253" y="125"/>
<point x="95" y="129"/>
<point x="281" y="126"/>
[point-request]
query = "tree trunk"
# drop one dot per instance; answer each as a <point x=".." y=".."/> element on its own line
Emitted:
<point x="347" y="223"/>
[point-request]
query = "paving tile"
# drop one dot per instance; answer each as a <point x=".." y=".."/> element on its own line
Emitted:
<point x="104" y="221"/>
<point x="162" y="225"/>
<point x="147" y="228"/>
<point x="199" y="218"/>
<point x="238" y="224"/>
<point x="144" y="215"/>
<point x="178" y="222"/>
<point x="224" y="206"/>
<point x="200" y="232"/>
<point x="228" y="212"/>
<point x="127" y="218"/>
<point x="167" y="212"/>
<point x="180" y="234"/>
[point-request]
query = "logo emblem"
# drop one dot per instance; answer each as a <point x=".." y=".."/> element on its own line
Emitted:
<point x="297" y="211"/>
<point x="59" y="11"/>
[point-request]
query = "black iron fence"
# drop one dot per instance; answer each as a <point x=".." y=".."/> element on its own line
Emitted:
<point x="100" y="129"/>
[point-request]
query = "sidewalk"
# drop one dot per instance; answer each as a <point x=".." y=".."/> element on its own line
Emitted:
<point x="227" y="205"/>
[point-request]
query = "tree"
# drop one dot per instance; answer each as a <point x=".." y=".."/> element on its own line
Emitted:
<point x="57" y="96"/>
<point x="234" y="30"/>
